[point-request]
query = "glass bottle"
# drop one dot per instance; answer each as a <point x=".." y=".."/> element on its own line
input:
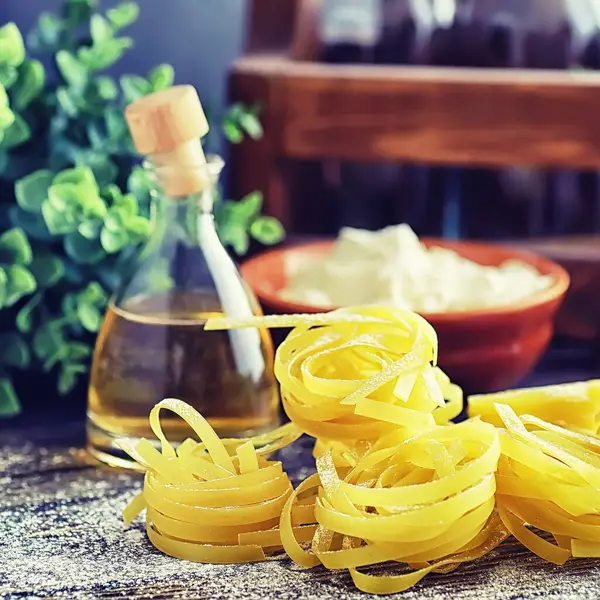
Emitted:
<point x="152" y="344"/>
<point x="537" y="34"/>
<point x="373" y="195"/>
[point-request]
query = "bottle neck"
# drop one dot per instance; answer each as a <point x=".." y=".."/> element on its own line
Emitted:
<point x="185" y="217"/>
<point x="190" y="220"/>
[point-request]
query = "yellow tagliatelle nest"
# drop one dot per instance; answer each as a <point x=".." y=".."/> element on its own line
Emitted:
<point x="549" y="478"/>
<point x="427" y="502"/>
<point x="575" y="406"/>
<point x="357" y="374"/>
<point x="207" y="505"/>
<point x="396" y="482"/>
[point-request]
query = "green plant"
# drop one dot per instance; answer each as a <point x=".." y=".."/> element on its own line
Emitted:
<point x="73" y="201"/>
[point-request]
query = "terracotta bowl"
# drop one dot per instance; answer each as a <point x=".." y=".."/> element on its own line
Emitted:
<point x="481" y="350"/>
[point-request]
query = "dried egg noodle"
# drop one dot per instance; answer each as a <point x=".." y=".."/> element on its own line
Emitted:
<point x="357" y="374"/>
<point x="396" y="481"/>
<point x="205" y="505"/>
<point x="427" y="502"/>
<point x="575" y="406"/>
<point x="549" y="478"/>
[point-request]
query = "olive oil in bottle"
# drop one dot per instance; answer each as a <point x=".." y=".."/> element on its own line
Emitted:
<point x="153" y="343"/>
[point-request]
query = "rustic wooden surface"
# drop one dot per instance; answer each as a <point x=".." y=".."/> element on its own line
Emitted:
<point x="413" y="115"/>
<point x="61" y="537"/>
<point x="578" y="318"/>
<point x="431" y="115"/>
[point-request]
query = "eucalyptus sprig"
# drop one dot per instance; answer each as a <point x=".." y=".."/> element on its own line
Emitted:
<point x="74" y="203"/>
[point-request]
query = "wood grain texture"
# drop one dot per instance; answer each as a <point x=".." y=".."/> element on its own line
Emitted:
<point x="61" y="536"/>
<point x="430" y="115"/>
<point x="579" y="317"/>
<point x="259" y="165"/>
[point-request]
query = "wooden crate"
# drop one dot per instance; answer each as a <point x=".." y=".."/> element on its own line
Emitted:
<point x="455" y="117"/>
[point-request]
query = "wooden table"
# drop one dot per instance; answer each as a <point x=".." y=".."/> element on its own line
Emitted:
<point x="61" y="536"/>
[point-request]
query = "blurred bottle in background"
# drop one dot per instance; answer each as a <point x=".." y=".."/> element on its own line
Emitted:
<point x="482" y="203"/>
<point x="535" y="34"/>
<point x="382" y="32"/>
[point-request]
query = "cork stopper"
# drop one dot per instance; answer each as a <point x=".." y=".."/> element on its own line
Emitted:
<point x="167" y="127"/>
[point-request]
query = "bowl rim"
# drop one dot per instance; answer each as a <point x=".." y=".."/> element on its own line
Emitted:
<point x="548" y="267"/>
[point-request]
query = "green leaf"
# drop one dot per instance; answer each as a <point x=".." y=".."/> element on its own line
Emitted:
<point x="76" y="199"/>
<point x="91" y="228"/>
<point x="20" y="282"/>
<point x="94" y="294"/>
<point x="82" y="176"/>
<point x="53" y="360"/>
<point x="67" y="101"/>
<point x="47" y="32"/>
<point x="106" y="87"/>
<point x="105" y="54"/>
<point x="47" y="269"/>
<point x="69" y="306"/>
<point x="48" y="340"/>
<point x="111" y="193"/>
<point x="29" y="85"/>
<point x="113" y="241"/>
<point x="134" y="87"/>
<point x="123" y="14"/>
<point x="236" y="236"/>
<point x="100" y="29"/>
<point x="96" y="136"/>
<point x="67" y="380"/>
<point x="94" y="207"/>
<point x="65" y="197"/>
<point x="32" y="190"/>
<point x="249" y="206"/>
<point x="161" y="77"/>
<point x="75" y="274"/>
<point x="14" y="351"/>
<point x="77" y="351"/>
<point x="139" y="184"/>
<point x="139" y="227"/>
<point x="9" y="402"/>
<point x="57" y="221"/>
<point x="232" y="131"/>
<point x="3" y="287"/>
<point x="12" y="48"/>
<point x="116" y="218"/>
<point x="15" y="135"/>
<point x="251" y="125"/>
<point x="104" y="169"/>
<point x="8" y="75"/>
<point x="109" y="277"/>
<point x="32" y="224"/>
<point x="89" y="316"/>
<point x="4" y="165"/>
<point x="25" y="315"/>
<point x="15" y="247"/>
<point x="7" y="117"/>
<point x="128" y="203"/>
<point x="83" y="250"/>
<point x="73" y="71"/>
<point x="267" y="230"/>
<point x="77" y="12"/>
<point x="116" y="128"/>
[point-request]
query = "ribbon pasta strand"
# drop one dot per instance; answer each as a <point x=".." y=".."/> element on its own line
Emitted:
<point x="549" y="478"/>
<point x="427" y="502"/>
<point x="210" y="501"/>
<point x="356" y="374"/>
<point x="396" y="481"/>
